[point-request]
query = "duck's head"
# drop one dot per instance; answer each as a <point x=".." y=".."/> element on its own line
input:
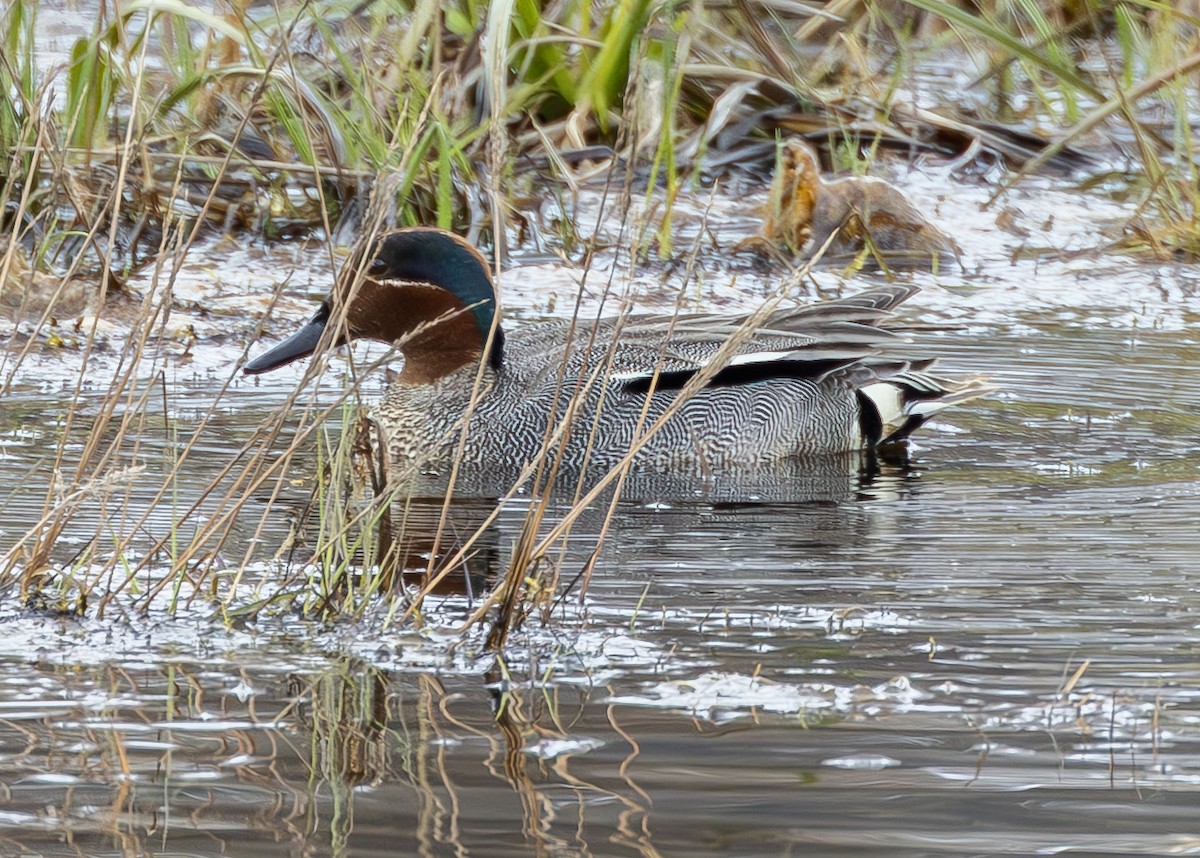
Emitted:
<point x="792" y="202"/>
<point x="424" y="289"/>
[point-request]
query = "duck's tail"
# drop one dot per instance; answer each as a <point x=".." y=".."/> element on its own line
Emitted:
<point x="892" y="409"/>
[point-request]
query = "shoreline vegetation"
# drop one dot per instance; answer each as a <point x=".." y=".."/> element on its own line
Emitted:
<point x="167" y="124"/>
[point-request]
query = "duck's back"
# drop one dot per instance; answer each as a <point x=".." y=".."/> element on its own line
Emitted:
<point x="588" y="389"/>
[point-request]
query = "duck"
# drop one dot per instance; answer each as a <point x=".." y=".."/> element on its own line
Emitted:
<point x="805" y="210"/>
<point x="30" y="291"/>
<point x="797" y="382"/>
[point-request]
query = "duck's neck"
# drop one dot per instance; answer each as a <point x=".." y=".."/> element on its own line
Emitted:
<point x="432" y="355"/>
<point x="444" y="338"/>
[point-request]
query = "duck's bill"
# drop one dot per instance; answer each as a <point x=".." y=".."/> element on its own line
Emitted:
<point x="299" y="345"/>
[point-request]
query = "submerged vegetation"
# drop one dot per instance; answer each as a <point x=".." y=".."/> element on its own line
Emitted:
<point x="166" y="124"/>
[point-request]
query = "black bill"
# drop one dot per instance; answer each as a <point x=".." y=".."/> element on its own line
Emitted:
<point x="300" y="344"/>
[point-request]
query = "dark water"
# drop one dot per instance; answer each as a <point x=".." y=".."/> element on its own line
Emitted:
<point x="990" y="650"/>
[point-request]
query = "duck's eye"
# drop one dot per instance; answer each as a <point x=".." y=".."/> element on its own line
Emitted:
<point x="377" y="267"/>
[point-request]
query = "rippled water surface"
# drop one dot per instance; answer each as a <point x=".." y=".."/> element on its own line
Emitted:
<point x="987" y="649"/>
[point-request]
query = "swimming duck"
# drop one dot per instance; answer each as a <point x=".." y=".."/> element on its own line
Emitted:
<point x="807" y="381"/>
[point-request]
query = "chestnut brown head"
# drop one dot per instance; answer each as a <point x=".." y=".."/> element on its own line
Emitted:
<point x="425" y="288"/>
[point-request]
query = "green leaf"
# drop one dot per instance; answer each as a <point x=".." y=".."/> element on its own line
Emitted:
<point x="606" y="76"/>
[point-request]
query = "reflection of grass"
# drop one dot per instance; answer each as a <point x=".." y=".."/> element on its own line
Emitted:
<point x="347" y="710"/>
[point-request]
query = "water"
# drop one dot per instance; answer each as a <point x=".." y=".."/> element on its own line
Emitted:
<point x="989" y="649"/>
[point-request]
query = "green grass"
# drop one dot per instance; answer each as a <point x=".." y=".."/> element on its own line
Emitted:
<point x="349" y="94"/>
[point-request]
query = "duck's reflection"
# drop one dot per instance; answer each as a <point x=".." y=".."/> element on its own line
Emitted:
<point x="460" y="541"/>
